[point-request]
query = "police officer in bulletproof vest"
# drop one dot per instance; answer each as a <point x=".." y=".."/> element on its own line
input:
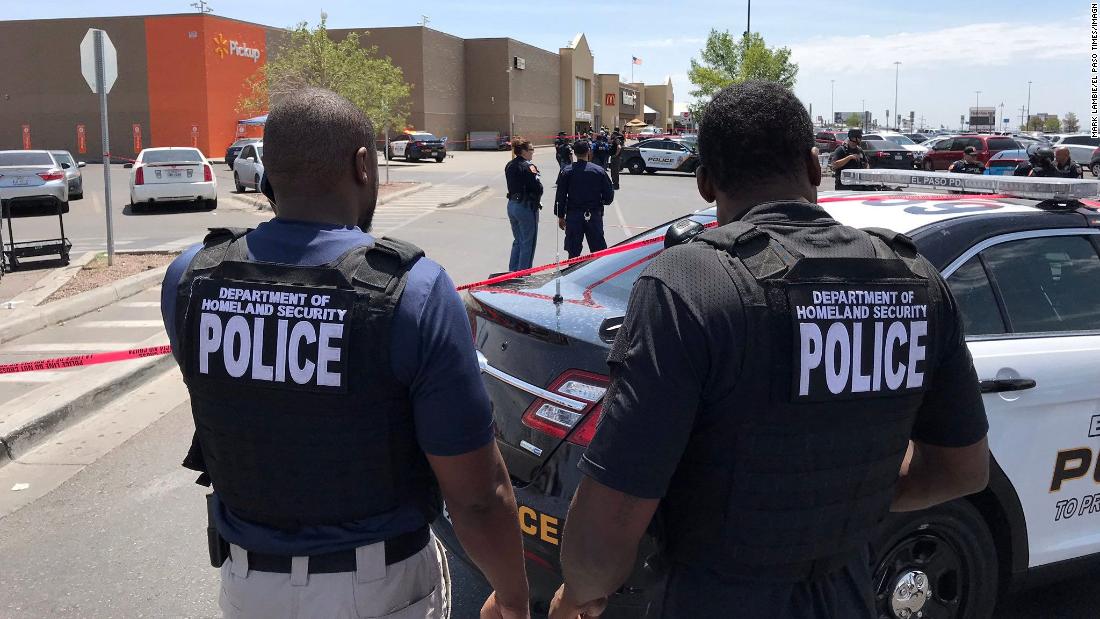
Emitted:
<point x="563" y="150"/>
<point x="1064" y="165"/>
<point x="524" y="203"/>
<point x="583" y="190"/>
<point x="969" y="164"/>
<point x="336" y="396"/>
<point x="778" y="386"/>
<point x="617" y="144"/>
<point x="1041" y="162"/>
<point x="601" y="151"/>
<point x="848" y="156"/>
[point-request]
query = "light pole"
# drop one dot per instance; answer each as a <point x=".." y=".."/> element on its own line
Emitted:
<point x="832" y="104"/>
<point x="863" y="113"/>
<point x="748" y="20"/>
<point x="897" y="69"/>
<point x="1027" y="121"/>
<point x="976" y="94"/>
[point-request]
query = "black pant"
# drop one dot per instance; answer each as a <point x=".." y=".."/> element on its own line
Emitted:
<point x="616" y="167"/>
<point x="577" y="229"/>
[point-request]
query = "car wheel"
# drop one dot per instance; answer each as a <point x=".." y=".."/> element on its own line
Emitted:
<point x="237" y="183"/>
<point x="77" y="196"/>
<point x="210" y="204"/>
<point x="410" y="158"/>
<point x="257" y="186"/>
<point x="650" y="171"/>
<point x="929" y="165"/>
<point x="136" y="208"/>
<point x="65" y="208"/>
<point x="1096" y="170"/>
<point x="440" y="158"/>
<point x="937" y="563"/>
<point x="635" y="166"/>
<point x="389" y="154"/>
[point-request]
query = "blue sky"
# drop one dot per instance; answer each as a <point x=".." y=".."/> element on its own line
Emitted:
<point x="948" y="50"/>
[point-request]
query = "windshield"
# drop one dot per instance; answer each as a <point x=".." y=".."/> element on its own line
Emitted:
<point x="900" y="140"/>
<point x="171" y="155"/>
<point x="260" y="151"/>
<point x="63" y="157"/>
<point x="25" y="158"/>
<point x="427" y="137"/>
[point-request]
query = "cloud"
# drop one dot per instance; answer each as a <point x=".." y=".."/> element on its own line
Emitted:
<point x="986" y="44"/>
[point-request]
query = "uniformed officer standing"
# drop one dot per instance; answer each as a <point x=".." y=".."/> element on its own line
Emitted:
<point x="601" y="151"/>
<point x="563" y="151"/>
<point x="1042" y="163"/>
<point x="617" y="144"/>
<point x="335" y="393"/>
<point x="1025" y="168"/>
<point x="765" y="388"/>
<point x="969" y="164"/>
<point x="524" y="203"/>
<point x="848" y="156"/>
<point x="1064" y="165"/>
<point x="583" y="190"/>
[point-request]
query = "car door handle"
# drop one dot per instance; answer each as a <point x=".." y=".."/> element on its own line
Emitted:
<point x="1006" y="384"/>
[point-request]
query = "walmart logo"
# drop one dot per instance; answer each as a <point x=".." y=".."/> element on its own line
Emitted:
<point x="221" y="46"/>
<point x="225" y="47"/>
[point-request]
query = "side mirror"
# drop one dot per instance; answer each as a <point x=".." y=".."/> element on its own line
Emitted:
<point x="127" y="165"/>
<point x="65" y="166"/>
<point x="80" y="164"/>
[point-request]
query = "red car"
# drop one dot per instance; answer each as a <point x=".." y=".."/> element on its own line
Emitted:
<point x="946" y="152"/>
<point x="828" y="141"/>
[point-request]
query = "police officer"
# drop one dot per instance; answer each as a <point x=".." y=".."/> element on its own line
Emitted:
<point x="524" y="203"/>
<point x="848" y="156"/>
<point x="583" y="190"/>
<point x="335" y="394"/>
<point x="563" y="151"/>
<point x="1042" y="163"/>
<point x="601" y="151"/>
<point x="1033" y="161"/>
<point x="1064" y="165"/>
<point x="617" y="144"/>
<point x="969" y="164"/>
<point x="778" y="386"/>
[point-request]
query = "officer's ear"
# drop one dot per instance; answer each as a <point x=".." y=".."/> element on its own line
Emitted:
<point x="813" y="166"/>
<point x="705" y="184"/>
<point x="366" y="166"/>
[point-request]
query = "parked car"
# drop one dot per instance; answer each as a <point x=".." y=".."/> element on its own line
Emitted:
<point x="1080" y="147"/>
<point x="72" y="173"/>
<point x="944" y="153"/>
<point x="918" y="138"/>
<point x="828" y="141"/>
<point x="172" y="174"/>
<point x="248" y="167"/>
<point x="1004" y="162"/>
<point x="235" y="149"/>
<point x="417" y="145"/>
<point x="1026" y="280"/>
<point x="886" y="154"/>
<point x="657" y="154"/>
<point x="898" y="139"/>
<point x="649" y="132"/>
<point x="32" y="180"/>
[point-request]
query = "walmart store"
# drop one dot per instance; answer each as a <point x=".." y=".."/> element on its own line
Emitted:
<point x="180" y="77"/>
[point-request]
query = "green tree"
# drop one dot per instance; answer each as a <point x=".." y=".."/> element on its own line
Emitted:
<point x="1034" y="124"/>
<point x="853" y="120"/>
<point x="309" y="57"/>
<point x="726" y="60"/>
<point x="1070" y="123"/>
<point x="1052" y="125"/>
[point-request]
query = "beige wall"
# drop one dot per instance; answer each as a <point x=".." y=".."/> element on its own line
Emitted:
<point x="576" y="61"/>
<point x="405" y="47"/>
<point x="607" y="84"/>
<point x="487" y="103"/>
<point x="661" y="98"/>
<point x="444" y="86"/>
<point x="534" y="93"/>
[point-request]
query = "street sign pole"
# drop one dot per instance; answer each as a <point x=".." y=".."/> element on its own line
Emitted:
<point x="102" y="89"/>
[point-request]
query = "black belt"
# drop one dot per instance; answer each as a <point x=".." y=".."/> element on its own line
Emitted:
<point x="397" y="549"/>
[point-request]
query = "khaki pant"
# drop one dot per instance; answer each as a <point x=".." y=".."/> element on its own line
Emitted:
<point x="417" y="588"/>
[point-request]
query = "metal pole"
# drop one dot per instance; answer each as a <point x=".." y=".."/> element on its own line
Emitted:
<point x="386" y="152"/>
<point x="101" y="88"/>
<point x="748" y="20"/>
<point x="1027" y="121"/>
<point x="832" y="102"/>
<point x="897" y="69"/>
<point x="863" y="113"/>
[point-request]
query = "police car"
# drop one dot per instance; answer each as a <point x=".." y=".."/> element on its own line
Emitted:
<point x="417" y="145"/>
<point x="1025" y="272"/>
<point x="651" y="156"/>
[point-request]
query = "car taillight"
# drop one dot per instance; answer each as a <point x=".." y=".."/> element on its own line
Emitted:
<point x="1096" y="152"/>
<point x="52" y="175"/>
<point x="207" y="173"/>
<point x="139" y="176"/>
<point x="882" y="154"/>
<point x="558" y="421"/>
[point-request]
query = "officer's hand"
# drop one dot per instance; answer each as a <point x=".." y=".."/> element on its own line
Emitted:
<point x="564" y="607"/>
<point x="561" y="223"/>
<point x="494" y="609"/>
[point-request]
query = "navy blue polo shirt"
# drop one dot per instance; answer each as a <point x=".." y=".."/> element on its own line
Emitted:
<point x="431" y="351"/>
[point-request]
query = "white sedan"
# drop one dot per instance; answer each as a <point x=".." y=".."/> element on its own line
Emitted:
<point x="248" y="167"/>
<point x="172" y="174"/>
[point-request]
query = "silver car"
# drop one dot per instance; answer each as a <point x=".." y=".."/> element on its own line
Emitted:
<point x="32" y="178"/>
<point x="72" y="173"/>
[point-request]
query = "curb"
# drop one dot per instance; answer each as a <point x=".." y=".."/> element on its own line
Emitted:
<point x="49" y="283"/>
<point x="50" y="409"/>
<point x="261" y="202"/>
<point x="468" y="196"/>
<point x="40" y="317"/>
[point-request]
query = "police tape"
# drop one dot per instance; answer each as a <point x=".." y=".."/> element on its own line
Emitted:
<point x="155" y="351"/>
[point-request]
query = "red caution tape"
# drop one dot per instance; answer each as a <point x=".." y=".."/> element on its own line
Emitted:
<point x="62" y="363"/>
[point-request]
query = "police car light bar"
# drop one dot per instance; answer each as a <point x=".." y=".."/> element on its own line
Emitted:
<point x="1021" y="186"/>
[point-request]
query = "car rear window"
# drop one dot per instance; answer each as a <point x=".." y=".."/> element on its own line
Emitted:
<point x="25" y="159"/>
<point x="1003" y="144"/>
<point x="172" y="155"/>
<point x="879" y="145"/>
<point x="64" y="158"/>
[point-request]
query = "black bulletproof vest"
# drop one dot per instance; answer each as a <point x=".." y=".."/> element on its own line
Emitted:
<point x="839" y="332"/>
<point x="297" y="412"/>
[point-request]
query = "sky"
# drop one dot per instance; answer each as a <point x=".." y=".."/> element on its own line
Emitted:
<point x="845" y="50"/>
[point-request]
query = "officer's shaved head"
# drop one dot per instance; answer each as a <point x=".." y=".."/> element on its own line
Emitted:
<point x="752" y="132"/>
<point x="312" y="136"/>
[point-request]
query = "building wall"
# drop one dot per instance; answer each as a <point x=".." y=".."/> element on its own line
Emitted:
<point x="607" y="100"/>
<point x="405" y="48"/>
<point x="488" y="104"/>
<point x="660" y="98"/>
<point x="576" y="61"/>
<point x="534" y="93"/>
<point x="53" y="99"/>
<point x="444" y="86"/>
<point x="226" y="74"/>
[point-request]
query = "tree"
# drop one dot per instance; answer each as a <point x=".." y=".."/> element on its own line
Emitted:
<point x="726" y="60"/>
<point x="854" y="120"/>
<point x="1070" y="123"/>
<point x="1035" y="124"/>
<point x="1052" y="124"/>
<point x="311" y="58"/>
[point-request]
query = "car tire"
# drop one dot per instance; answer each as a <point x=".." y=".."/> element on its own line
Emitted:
<point x="1096" y="170"/>
<point x="650" y="170"/>
<point x="951" y="545"/>
<point x="929" y="165"/>
<point x="389" y="153"/>
<point x="237" y="186"/>
<point x="210" y="204"/>
<point x="635" y="166"/>
<point x="257" y="182"/>
<point x="136" y="207"/>
<point x="411" y="159"/>
<point x="76" y="196"/>
<point x="65" y="207"/>
<point x="440" y="158"/>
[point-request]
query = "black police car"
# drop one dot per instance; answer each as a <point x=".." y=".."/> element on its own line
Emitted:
<point x="415" y="146"/>
<point x="1026" y="276"/>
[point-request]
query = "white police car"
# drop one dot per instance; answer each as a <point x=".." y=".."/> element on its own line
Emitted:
<point x="659" y="154"/>
<point x="1025" y="271"/>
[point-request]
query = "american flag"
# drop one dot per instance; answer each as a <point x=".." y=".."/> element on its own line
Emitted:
<point x="635" y="60"/>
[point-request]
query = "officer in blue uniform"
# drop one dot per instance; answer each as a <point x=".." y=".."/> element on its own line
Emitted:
<point x="601" y="151"/>
<point x="848" y="156"/>
<point x="969" y="164"/>
<point x="336" y="396"/>
<point x="524" y="203"/>
<point x="778" y="386"/>
<point x="563" y="150"/>
<point x="583" y="190"/>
